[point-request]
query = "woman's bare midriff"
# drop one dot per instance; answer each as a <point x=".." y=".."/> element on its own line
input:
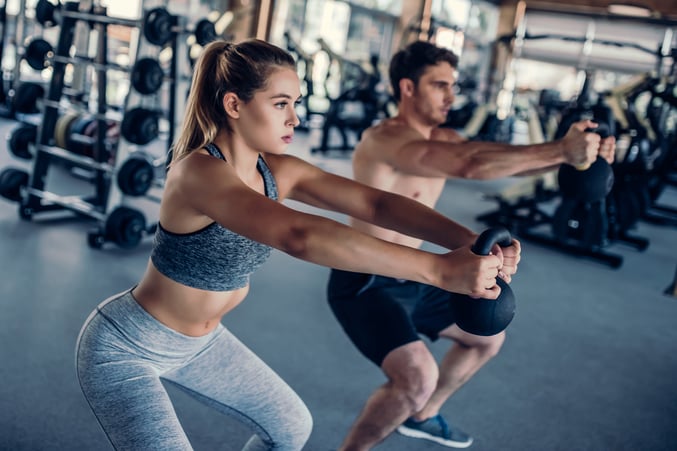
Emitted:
<point x="187" y="310"/>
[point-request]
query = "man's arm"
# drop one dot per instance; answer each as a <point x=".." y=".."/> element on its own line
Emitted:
<point x="489" y="160"/>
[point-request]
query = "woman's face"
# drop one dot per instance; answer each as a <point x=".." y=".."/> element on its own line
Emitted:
<point x="267" y="121"/>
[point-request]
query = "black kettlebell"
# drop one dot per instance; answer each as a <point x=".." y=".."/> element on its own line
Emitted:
<point x="486" y="316"/>
<point x="587" y="184"/>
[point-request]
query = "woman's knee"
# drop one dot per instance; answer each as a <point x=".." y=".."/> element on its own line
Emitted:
<point x="293" y="429"/>
<point x="301" y="425"/>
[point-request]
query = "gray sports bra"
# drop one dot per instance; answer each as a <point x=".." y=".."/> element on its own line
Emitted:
<point x="213" y="258"/>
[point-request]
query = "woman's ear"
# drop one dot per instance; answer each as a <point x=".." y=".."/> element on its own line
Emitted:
<point x="231" y="105"/>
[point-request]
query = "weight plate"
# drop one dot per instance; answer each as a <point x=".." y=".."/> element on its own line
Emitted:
<point x="37" y="53"/>
<point x="157" y="26"/>
<point x="26" y="97"/>
<point x="12" y="180"/>
<point x="21" y="138"/>
<point x="147" y="76"/>
<point x="61" y="128"/>
<point x="125" y="226"/>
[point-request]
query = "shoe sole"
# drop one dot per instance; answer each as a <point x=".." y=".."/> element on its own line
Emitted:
<point x="418" y="434"/>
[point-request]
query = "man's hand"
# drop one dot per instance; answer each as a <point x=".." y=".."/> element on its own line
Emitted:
<point x="607" y="149"/>
<point x="580" y="147"/>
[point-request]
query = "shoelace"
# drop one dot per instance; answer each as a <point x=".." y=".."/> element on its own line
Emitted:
<point x="446" y="432"/>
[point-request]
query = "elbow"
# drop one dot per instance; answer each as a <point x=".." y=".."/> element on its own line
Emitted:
<point x="472" y="171"/>
<point x="459" y="167"/>
<point x="466" y="172"/>
<point x="381" y="207"/>
<point x="476" y="169"/>
<point x="295" y="241"/>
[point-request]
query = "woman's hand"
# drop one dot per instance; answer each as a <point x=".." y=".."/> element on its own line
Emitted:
<point x="510" y="257"/>
<point x="462" y="271"/>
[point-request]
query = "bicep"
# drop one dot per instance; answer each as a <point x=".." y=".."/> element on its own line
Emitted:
<point x="427" y="158"/>
<point x="336" y="193"/>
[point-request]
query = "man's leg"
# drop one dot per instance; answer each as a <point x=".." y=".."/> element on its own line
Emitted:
<point x="467" y="355"/>
<point x="412" y="376"/>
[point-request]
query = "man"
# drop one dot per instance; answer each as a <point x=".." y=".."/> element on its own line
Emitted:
<point x="410" y="155"/>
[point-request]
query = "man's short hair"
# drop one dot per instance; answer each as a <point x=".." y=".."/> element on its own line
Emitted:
<point x="411" y="62"/>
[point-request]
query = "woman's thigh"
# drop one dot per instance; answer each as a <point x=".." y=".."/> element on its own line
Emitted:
<point x="230" y="378"/>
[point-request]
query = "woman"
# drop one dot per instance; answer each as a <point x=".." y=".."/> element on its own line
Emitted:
<point x="219" y="218"/>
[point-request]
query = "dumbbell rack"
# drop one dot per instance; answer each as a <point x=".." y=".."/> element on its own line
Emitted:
<point x="24" y="95"/>
<point x="118" y="223"/>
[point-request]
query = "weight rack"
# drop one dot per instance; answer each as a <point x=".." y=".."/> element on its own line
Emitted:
<point x="118" y="223"/>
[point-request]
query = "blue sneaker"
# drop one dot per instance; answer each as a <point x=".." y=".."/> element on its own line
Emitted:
<point x="437" y="430"/>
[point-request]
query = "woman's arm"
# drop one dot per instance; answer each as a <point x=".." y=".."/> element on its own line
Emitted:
<point x="216" y="191"/>
<point x="319" y="188"/>
<point x="322" y="189"/>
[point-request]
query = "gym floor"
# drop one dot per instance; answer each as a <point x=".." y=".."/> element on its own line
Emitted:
<point x="589" y="362"/>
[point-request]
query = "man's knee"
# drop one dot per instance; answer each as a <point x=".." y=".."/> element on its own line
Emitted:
<point x="486" y="347"/>
<point x="413" y="371"/>
<point x="493" y="345"/>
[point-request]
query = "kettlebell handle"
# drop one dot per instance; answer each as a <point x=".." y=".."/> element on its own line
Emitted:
<point x="491" y="236"/>
<point x="486" y="316"/>
<point x="603" y="131"/>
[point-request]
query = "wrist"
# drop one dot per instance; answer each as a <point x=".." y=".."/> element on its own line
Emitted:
<point x="561" y="152"/>
<point x="467" y="238"/>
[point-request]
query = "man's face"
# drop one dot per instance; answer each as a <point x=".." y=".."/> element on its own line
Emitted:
<point x="434" y="93"/>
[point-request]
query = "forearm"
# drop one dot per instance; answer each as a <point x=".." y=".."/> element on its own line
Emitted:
<point x="329" y="243"/>
<point x="414" y="219"/>
<point x="485" y="160"/>
<point x="541" y="171"/>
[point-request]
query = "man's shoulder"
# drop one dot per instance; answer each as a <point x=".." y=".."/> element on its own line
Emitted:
<point x="390" y="130"/>
<point x="448" y="135"/>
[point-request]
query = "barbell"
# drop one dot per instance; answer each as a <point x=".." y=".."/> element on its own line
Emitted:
<point x="158" y="25"/>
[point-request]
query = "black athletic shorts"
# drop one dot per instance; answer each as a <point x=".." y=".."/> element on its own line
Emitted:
<point x="380" y="314"/>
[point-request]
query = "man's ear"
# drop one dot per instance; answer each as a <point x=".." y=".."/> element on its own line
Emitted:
<point x="231" y="105"/>
<point x="407" y="87"/>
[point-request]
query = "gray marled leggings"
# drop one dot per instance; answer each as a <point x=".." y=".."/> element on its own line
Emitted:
<point x="123" y="352"/>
